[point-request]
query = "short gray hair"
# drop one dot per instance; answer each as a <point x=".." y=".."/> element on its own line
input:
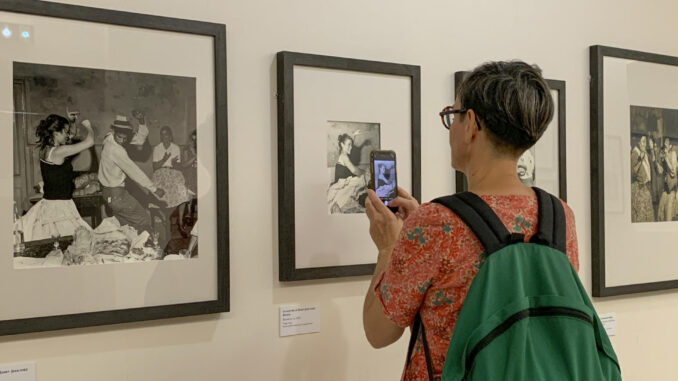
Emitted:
<point x="512" y="100"/>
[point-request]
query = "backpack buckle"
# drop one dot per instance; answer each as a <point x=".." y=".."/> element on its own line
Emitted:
<point x="516" y="238"/>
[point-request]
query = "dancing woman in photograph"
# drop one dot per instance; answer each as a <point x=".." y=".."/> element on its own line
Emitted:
<point x="56" y="214"/>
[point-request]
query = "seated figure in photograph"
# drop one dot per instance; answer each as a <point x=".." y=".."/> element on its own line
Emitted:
<point x="667" y="201"/>
<point x="344" y="168"/>
<point x="346" y="193"/>
<point x="189" y="167"/>
<point x="385" y="180"/>
<point x="166" y="154"/>
<point x="169" y="175"/>
<point x="114" y="168"/>
<point x="56" y="214"/>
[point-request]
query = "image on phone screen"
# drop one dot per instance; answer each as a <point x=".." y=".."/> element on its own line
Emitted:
<point x="385" y="179"/>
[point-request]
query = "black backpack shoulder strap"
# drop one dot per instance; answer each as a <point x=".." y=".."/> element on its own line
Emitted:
<point x="551" y="221"/>
<point x="481" y="219"/>
<point x="416" y="326"/>
<point x="488" y="215"/>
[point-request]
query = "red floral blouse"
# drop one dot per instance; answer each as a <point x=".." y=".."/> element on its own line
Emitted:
<point x="432" y="266"/>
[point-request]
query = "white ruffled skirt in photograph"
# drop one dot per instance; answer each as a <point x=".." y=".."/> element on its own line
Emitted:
<point x="51" y="218"/>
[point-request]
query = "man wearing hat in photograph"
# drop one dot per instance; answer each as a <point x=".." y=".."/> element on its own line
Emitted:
<point x="114" y="168"/>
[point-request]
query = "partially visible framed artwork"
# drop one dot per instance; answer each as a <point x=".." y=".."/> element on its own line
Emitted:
<point x="114" y="161"/>
<point x="332" y="112"/>
<point x="634" y="171"/>
<point x="543" y="165"/>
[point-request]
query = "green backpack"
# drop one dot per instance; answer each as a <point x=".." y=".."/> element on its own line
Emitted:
<point x="526" y="315"/>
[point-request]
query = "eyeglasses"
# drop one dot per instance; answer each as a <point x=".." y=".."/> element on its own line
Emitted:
<point x="447" y="115"/>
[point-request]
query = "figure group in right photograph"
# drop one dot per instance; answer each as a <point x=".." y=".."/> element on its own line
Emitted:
<point x="654" y="164"/>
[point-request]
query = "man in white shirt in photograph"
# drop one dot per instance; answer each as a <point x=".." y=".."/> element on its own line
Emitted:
<point x="114" y="168"/>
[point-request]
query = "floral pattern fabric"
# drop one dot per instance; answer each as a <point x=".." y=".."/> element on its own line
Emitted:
<point x="433" y="264"/>
<point x="173" y="183"/>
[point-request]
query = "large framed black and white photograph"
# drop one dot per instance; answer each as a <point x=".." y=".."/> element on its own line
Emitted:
<point x="114" y="162"/>
<point x="634" y="170"/>
<point x="332" y="112"/>
<point x="544" y="164"/>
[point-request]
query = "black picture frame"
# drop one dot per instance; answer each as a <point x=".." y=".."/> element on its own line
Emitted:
<point x="597" y="53"/>
<point x="286" y="61"/>
<point x="218" y="33"/>
<point x="460" y="179"/>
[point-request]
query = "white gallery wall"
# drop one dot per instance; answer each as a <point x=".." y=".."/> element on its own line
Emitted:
<point x="440" y="36"/>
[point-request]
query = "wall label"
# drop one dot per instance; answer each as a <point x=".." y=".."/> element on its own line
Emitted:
<point x="609" y="323"/>
<point x="24" y="371"/>
<point x="299" y="319"/>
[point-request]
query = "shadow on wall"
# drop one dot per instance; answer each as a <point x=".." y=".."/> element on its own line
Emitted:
<point x="318" y="356"/>
<point x="323" y="355"/>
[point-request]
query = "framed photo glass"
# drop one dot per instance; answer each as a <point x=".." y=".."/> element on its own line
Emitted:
<point x="332" y="112"/>
<point x="634" y="130"/>
<point x="116" y="118"/>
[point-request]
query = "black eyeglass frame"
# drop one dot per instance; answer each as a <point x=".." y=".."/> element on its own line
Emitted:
<point x="449" y="110"/>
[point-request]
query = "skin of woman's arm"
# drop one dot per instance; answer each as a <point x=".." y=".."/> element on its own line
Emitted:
<point x="344" y="160"/>
<point x="379" y="329"/>
<point x="63" y="151"/>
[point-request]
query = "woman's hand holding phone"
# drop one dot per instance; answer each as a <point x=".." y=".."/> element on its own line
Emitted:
<point x="405" y="203"/>
<point x="384" y="225"/>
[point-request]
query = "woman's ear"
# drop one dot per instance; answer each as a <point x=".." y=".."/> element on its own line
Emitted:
<point x="472" y="128"/>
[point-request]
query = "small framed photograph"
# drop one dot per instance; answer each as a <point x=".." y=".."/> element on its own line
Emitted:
<point x="332" y="112"/>
<point x="544" y="164"/>
<point x="114" y="163"/>
<point x="634" y="170"/>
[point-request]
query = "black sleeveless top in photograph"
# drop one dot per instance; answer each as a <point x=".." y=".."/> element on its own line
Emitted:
<point x="341" y="172"/>
<point x="58" y="180"/>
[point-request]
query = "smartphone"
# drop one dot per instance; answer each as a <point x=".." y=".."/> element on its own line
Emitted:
<point x="384" y="180"/>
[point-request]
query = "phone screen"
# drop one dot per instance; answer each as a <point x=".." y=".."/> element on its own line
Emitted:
<point x="385" y="183"/>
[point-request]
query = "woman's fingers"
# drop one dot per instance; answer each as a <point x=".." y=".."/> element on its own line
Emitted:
<point x="378" y="206"/>
<point x="404" y="201"/>
<point x="403" y="193"/>
<point x="398" y="202"/>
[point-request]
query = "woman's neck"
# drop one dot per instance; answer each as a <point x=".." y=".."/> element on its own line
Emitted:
<point x="496" y="177"/>
<point x="166" y="145"/>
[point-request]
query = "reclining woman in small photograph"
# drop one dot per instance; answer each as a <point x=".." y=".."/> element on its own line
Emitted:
<point x="56" y="215"/>
<point x="346" y="194"/>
